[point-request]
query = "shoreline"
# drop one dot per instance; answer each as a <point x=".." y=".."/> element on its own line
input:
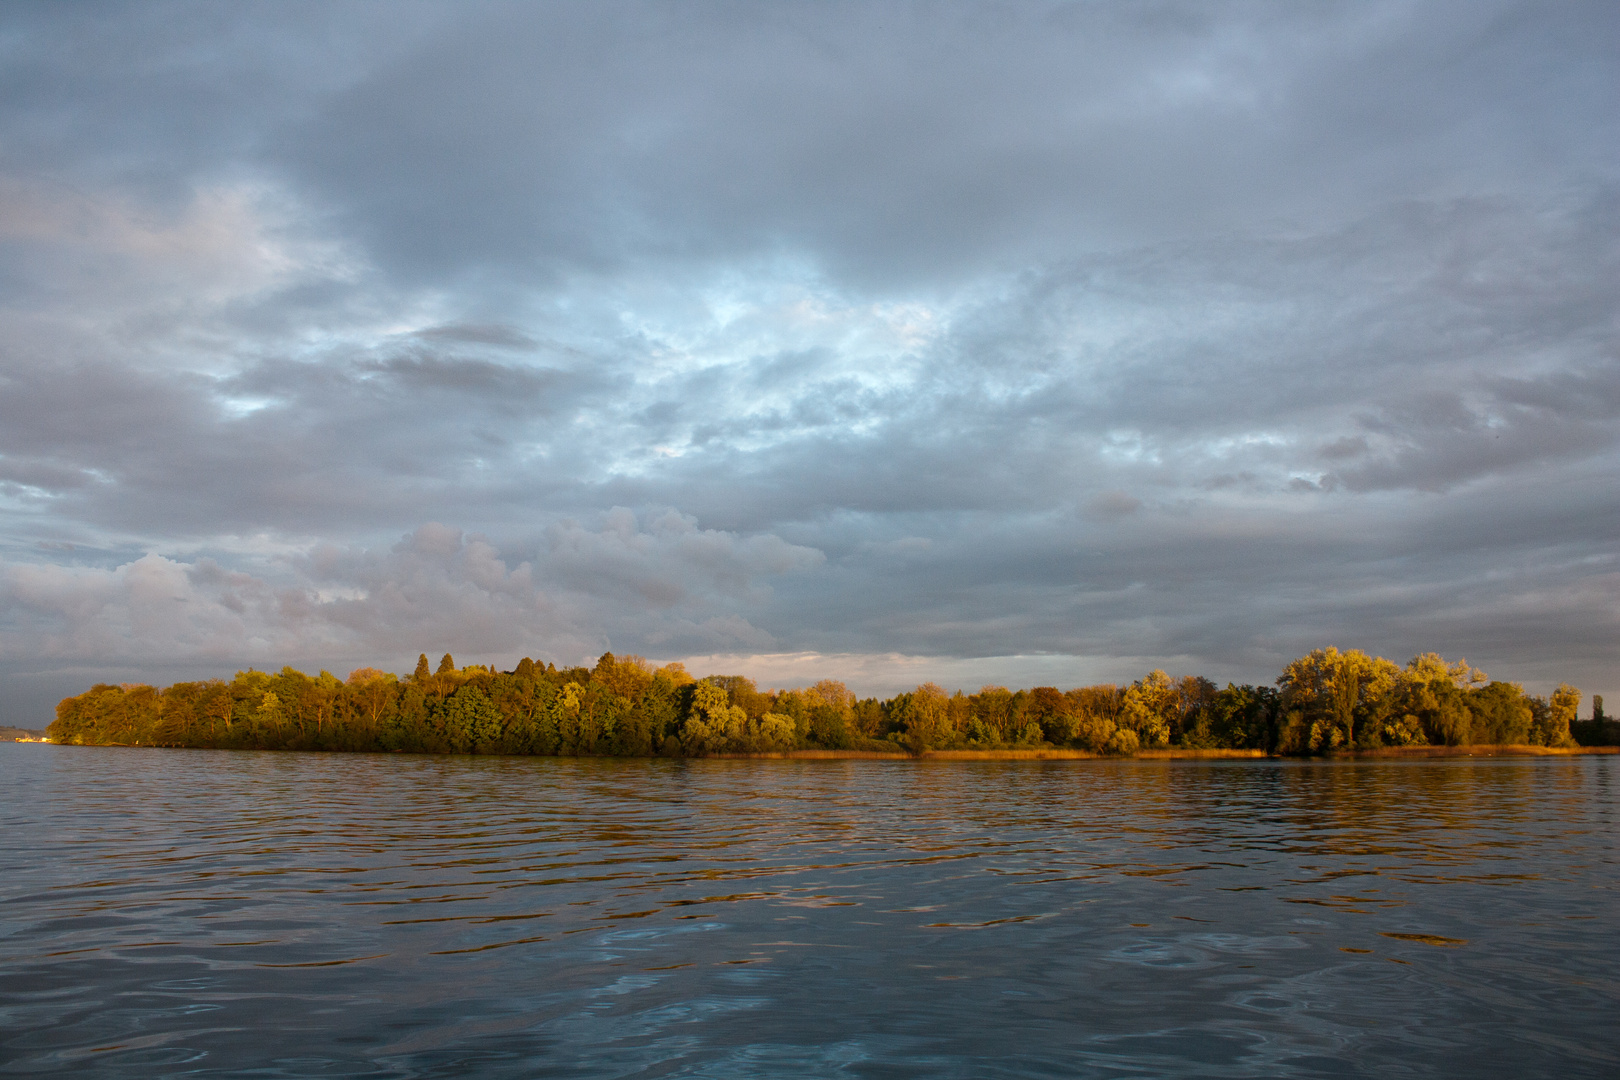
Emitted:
<point x="1483" y="750"/>
<point x="1047" y="754"/>
<point x="1173" y="754"/>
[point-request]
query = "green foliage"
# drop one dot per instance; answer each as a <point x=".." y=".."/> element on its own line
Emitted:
<point x="1332" y="700"/>
<point x="470" y="721"/>
<point x="1434" y="695"/>
<point x="1149" y="711"/>
<point x="712" y="723"/>
<point x="1500" y="713"/>
<point x="1600" y="730"/>
<point x="1553" y="730"/>
<point x="1241" y="717"/>
<point x="625" y="707"/>
<point x="924" y="718"/>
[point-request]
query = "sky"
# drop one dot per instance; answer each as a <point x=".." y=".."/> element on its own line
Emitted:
<point x="1017" y="343"/>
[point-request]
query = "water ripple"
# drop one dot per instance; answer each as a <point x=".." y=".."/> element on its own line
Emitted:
<point x="186" y="913"/>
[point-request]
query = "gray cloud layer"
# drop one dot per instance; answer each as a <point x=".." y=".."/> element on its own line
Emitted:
<point x="1110" y="334"/>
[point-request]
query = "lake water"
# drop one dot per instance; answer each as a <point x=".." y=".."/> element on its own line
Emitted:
<point x="188" y="913"/>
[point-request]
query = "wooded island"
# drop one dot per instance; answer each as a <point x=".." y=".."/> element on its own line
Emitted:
<point x="1325" y="701"/>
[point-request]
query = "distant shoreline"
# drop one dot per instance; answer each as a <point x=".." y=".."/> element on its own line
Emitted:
<point x="1324" y="704"/>
<point x="1054" y="754"/>
<point x="1057" y="754"/>
<point x="1473" y="751"/>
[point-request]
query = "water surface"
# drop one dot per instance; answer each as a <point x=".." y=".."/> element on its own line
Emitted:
<point x="196" y="913"/>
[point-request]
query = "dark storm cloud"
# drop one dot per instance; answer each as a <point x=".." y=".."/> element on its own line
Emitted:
<point x="913" y="140"/>
<point x="278" y="446"/>
<point x="1139" y="333"/>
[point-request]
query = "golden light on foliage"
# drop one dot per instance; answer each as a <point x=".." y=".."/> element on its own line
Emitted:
<point x="1324" y="701"/>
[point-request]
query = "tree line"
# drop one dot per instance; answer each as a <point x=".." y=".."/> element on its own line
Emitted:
<point x="624" y="706"/>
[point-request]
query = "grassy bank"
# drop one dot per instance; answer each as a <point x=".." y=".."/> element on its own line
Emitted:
<point x="1056" y="754"/>
<point x="1514" y="750"/>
